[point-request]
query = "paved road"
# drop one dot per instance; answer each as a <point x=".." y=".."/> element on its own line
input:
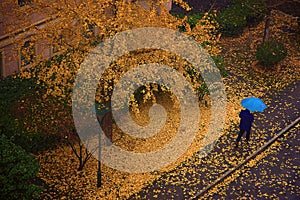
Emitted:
<point x="195" y="174"/>
<point x="273" y="177"/>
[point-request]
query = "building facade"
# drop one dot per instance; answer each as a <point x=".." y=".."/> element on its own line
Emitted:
<point x="17" y="28"/>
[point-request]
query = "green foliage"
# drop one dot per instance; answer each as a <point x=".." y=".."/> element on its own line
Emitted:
<point x="194" y="18"/>
<point x="219" y="61"/>
<point x="178" y="15"/>
<point x="270" y="53"/>
<point x="17" y="169"/>
<point x="251" y="7"/>
<point x="13" y="90"/>
<point x="139" y="94"/>
<point x="232" y="21"/>
<point x="202" y="91"/>
<point x="32" y="142"/>
<point x="235" y="18"/>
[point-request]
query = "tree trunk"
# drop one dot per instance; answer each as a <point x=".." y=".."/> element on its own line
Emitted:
<point x="81" y="155"/>
<point x="81" y="166"/>
<point x="267" y="23"/>
<point x="80" y="158"/>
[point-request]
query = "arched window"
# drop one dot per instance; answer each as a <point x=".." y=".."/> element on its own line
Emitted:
<point x="23" y="2"/>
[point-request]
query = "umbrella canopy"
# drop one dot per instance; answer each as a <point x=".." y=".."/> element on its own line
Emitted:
<point x="254" y="104"/>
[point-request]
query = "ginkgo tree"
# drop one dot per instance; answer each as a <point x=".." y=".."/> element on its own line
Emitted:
<point x="76" y="27"/>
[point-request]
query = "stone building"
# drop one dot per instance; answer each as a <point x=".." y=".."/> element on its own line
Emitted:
<point x="16" y="30"/>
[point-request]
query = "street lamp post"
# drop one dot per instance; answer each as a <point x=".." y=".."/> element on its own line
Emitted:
<point x="99" y="172"/>
<point x="101" y="114"/>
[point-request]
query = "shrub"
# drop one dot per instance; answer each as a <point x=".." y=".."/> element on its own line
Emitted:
<point x="18" y="168"/>
<point x="219" y="61"/>
<point x="232" y="21"/>
<point x="12" y="88"/>
<point x="240" y="14"/>
<point x="251" y="7"/>
<point x="270" y="53"/>
<point x="12" y="91"/>
<point x="194" y="18"/>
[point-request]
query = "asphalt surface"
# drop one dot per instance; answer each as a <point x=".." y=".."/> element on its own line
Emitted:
<point x="277" y="174"/>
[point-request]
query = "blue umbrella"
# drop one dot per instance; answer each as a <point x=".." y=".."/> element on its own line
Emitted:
<point x="254" y="104"/>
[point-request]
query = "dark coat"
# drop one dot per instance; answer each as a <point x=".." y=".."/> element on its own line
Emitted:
<point x="246" y="120"/>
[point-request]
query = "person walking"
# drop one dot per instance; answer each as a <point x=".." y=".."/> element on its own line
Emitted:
<point x="246" y="121"/>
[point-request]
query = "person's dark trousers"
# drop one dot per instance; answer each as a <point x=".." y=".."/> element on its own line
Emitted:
<point x="240" y="136"/>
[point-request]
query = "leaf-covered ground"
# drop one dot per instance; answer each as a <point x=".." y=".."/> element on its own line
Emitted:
<point x="273" y="175"/>
<point x="257" y="180"/>
<point x="192" y="176"/>
<point x="189" y="174"/>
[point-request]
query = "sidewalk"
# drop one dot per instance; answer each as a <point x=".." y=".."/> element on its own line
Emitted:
<point x="194" y="174"/>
